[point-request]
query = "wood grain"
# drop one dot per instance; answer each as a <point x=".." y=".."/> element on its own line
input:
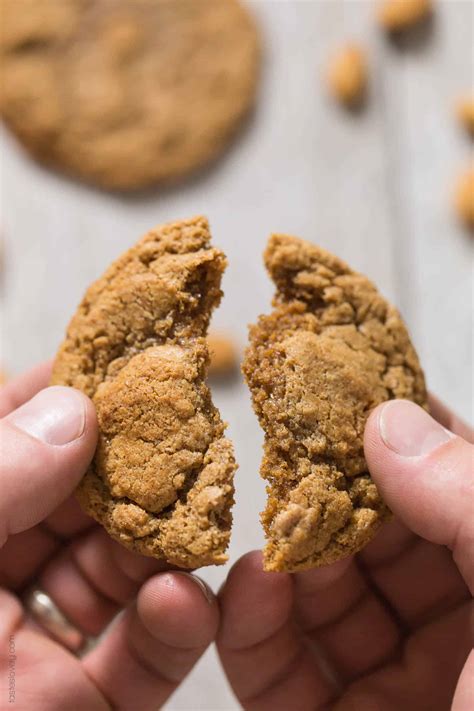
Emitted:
<point x="372" y="187"/>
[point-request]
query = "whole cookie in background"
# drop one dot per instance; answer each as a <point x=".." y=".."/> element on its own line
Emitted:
<point x="331" y="350"/>
<point x="161" y="481"/>
<point x="126" y="93"/>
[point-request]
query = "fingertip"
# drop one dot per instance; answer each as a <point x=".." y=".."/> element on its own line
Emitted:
<point x="178" y="609"/>
<point x="91" y="426"/>
<point x="57" y="416"/>
<point x="263" y="600"/>
<point x="47" y="445"/>
<point x="423" y="472"/>
<point x="317" y="579"/>
<point x="250" y="568"/>
<point x="87" y="438"/>
<point x="372" y="439"/>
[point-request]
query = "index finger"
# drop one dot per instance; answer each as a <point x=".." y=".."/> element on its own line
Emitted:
<point x="21" y="389"/>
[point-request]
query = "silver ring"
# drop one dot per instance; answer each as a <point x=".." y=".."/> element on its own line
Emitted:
<point x="47" y="614"/>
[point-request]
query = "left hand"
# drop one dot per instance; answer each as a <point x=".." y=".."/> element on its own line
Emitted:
<point x="47" y="439"/>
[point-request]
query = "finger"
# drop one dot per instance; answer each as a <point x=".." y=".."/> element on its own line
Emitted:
<point x="24" y="554"/>
<point x="37" y="659"/>
<point x="68" y="520"/>
<point x="151" y="648"/>
<point x="335" y="608"/>
<point x="420" y="583"/>
<point x="46" y="447"/>
<point x="464" y="695"/>
<point x="93" y="578"/>
<point x="266" y="661"/>
<point x="448" y="419"/>
<point x="17" y="391"/>
<point x="425" y="675"/>
<point x="417" y="579"/>
<point x="424" y="474"/>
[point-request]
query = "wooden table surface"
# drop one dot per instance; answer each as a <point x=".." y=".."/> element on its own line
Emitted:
<point x="374" y="188"/>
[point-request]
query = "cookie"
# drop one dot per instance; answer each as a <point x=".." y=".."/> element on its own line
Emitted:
<point x="464" y="198"/>
<point x="223" y="354"/>
<point x="161" y="479"/>
<point x="465" y="114"/>
<point x="330" y="351"/>
<point x="399" y="15"/>
<point x="347" y="76"/>
<point x="126" y="93"/>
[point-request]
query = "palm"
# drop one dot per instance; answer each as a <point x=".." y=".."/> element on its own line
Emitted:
<point x="387" y="630"/>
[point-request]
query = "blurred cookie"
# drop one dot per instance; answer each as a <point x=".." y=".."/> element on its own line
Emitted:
<point x="464" y="198"/>
<point x="465" y="114"/>
<point x="399" y="15"/>
<point x="161" y="481"/>
<point x="127" y="93"/>
<point x="347" y="76"/>
<point x="331" y="350"/>
<point x="223" y="355"/>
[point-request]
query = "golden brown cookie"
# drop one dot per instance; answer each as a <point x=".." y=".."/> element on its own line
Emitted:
<point x="126" y="93"/>
<point x="464" y="198"/>
<point x="465" y="114"/>
<point x="161" y="479"/>
<point x="347" y="76"/>
<point x="330" y="351"/>
<point x="399" y="15"/>
<point x="223" y="354"/>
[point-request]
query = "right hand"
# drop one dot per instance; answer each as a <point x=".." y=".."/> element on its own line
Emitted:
<point x="388" y="629"/>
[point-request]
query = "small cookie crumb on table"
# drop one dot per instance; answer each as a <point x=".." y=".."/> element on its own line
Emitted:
<point x="465" y="114"/>
<point x="464" y="198"/>
<point x="398" y="15"/>
<point x="223" y="355"/>
<point x="347" y="76"/>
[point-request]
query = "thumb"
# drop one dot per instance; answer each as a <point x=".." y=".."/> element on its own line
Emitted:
<point x="425" y="474"/>
<point x="46" y="446"/>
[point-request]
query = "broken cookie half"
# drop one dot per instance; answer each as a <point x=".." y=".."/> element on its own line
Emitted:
<point x="330" y="351"/>
<point x="161" y="481"/>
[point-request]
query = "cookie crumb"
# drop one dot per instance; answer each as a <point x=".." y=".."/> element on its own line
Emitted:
<point x="223" y="355"/>
<point x="399" y="15"/>
<point x="465" y="114"/>
<point x="464" y="198"/>
<point x="347" y="76"/>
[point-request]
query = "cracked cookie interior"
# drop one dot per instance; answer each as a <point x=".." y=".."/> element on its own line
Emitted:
<point x="331" y="350"/>
<point x="161" y="479"/>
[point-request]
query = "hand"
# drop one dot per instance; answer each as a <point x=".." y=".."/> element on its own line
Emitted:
<point x="387" y="629"/>
<point x="47" y="443"/>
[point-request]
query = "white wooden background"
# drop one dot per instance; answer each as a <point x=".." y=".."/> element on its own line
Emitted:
<point x="374" y="188"/>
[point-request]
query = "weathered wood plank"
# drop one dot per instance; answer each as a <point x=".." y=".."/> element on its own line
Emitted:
<point x="374" y="188"/>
